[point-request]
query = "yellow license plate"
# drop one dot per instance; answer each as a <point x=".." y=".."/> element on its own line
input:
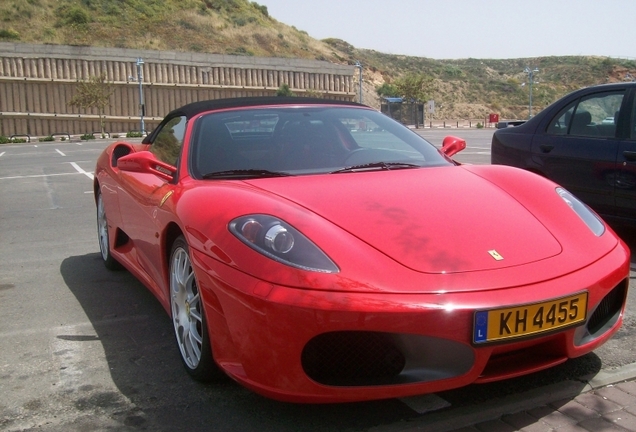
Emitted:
<point x="497" y="325"/>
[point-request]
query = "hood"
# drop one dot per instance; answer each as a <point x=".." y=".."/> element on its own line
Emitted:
<point x="432" y="220"/>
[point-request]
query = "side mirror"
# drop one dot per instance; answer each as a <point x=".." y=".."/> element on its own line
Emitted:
<point x="146" y="162"/>
<point x="453" y="145"/>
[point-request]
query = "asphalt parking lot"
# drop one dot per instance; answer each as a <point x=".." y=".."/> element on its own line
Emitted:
<point x="84" y="348"/>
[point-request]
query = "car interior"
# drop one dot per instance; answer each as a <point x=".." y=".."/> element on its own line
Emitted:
<point x="293" y="143"/>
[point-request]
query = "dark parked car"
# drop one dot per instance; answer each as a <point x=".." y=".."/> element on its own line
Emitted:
<point x="572" y="143"/>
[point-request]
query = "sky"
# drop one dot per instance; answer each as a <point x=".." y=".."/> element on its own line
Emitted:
<point x="458" y="29"/>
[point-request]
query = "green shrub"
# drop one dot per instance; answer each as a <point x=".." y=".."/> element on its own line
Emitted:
<point x="3" y="139"/>
<point x="284" y="90"/>
<point x="239" y="51"/>
<point x="261" y="8"/>
<point x="46" y="138"/>
<point x="134" y="134"/>
<point x="239" y="21"/>
<point x="115" y="135"/>
<point x="9" y="34"/>
<point x="87" y="137"/>
<point x="480" y="126"/>
<point x="18" y="140"/>
<point x="72" y="16"/>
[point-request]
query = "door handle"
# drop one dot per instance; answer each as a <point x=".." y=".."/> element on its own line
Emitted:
<point x="546" y="148"/>
<point x="630" y="156"/>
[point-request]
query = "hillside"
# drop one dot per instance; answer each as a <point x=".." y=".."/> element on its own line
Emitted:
<point x="466" y="88"/>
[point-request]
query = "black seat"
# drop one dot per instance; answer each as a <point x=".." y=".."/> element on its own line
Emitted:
<point x="581" y="124"/>
<point x="307" y="145"/>
<point x="216" y="150"/>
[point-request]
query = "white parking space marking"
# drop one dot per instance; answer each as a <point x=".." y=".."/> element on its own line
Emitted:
<point x="42" y="151"/>
<point x="2" y="154"/>
<point x="73" y="164"/>
<point x="81" y="171"/>
<point x="39" y="175"/>
<point x="58" y="150"/>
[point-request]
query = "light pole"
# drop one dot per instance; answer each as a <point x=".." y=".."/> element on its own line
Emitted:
<point x="140" y="80"/>
<point x="530" y="73"/>
<point x="359" y="66"/>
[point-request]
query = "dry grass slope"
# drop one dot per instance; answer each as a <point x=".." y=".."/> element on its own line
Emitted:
<point x="465" y="88"/>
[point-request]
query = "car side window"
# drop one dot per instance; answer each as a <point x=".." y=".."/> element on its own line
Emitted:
<point x="167" y="144"/>
<point x="561" y="123"/>
<point x="596" y="115"/>
<point x="591" y="116"/>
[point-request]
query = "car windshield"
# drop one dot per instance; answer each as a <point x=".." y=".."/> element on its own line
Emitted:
<point x="275" y="141"/>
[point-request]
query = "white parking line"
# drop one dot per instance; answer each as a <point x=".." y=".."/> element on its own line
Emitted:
<point x="81" y="171"/>
<point x="38" y="175"/>
<point x="2" y="154"/>
<point x="73" y="164"/>
<point x="57" y="150"/>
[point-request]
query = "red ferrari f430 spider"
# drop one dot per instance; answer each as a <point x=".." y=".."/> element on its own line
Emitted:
<point x="319" y="251"/>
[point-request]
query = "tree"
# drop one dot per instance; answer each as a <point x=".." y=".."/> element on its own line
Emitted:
<point x="414" y="88"/>
<point x="387" y="90"/>
<point x="94" y="93"/>
<point x="284" y="90"/>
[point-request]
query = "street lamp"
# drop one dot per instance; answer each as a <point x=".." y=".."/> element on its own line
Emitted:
<point x="530" y="73"/>
<point x="359" y="66"/>
<point x="140" y="80"/>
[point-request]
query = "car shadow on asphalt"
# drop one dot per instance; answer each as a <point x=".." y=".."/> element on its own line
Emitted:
<point x="143" y="362"/>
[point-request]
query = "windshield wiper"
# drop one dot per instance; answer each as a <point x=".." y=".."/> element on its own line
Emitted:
<point x="244" y="174"/>
<point x="376" y="166"/>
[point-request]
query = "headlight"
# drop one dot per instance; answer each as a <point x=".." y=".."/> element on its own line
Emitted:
<point x="589" y="217"/>
<point x="281" y="242"/>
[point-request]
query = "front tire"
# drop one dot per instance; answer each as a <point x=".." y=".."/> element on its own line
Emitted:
<point x="188" y="315"/>
<point x="103" y="236"/>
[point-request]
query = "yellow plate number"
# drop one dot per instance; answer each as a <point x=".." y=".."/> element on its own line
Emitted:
<point x="512" y="322"/>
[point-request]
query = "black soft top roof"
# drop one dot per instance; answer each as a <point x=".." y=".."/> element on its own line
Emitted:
<point x="195" y="108"/>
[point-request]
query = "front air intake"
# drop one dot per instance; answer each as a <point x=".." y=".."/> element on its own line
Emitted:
<point x="350" y="358"/>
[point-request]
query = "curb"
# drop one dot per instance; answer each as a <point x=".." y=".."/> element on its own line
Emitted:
<point x="491" y="410"/>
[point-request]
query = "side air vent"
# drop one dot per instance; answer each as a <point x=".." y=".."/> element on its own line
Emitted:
<point x="608" y="309"/>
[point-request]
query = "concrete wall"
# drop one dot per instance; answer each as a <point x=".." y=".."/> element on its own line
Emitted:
<point x="38" y="81"/>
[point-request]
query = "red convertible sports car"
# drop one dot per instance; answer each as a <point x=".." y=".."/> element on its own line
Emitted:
<point x="318" y="251"/>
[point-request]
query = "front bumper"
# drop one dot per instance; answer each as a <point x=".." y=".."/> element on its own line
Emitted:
<point x="324" y="346"/>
